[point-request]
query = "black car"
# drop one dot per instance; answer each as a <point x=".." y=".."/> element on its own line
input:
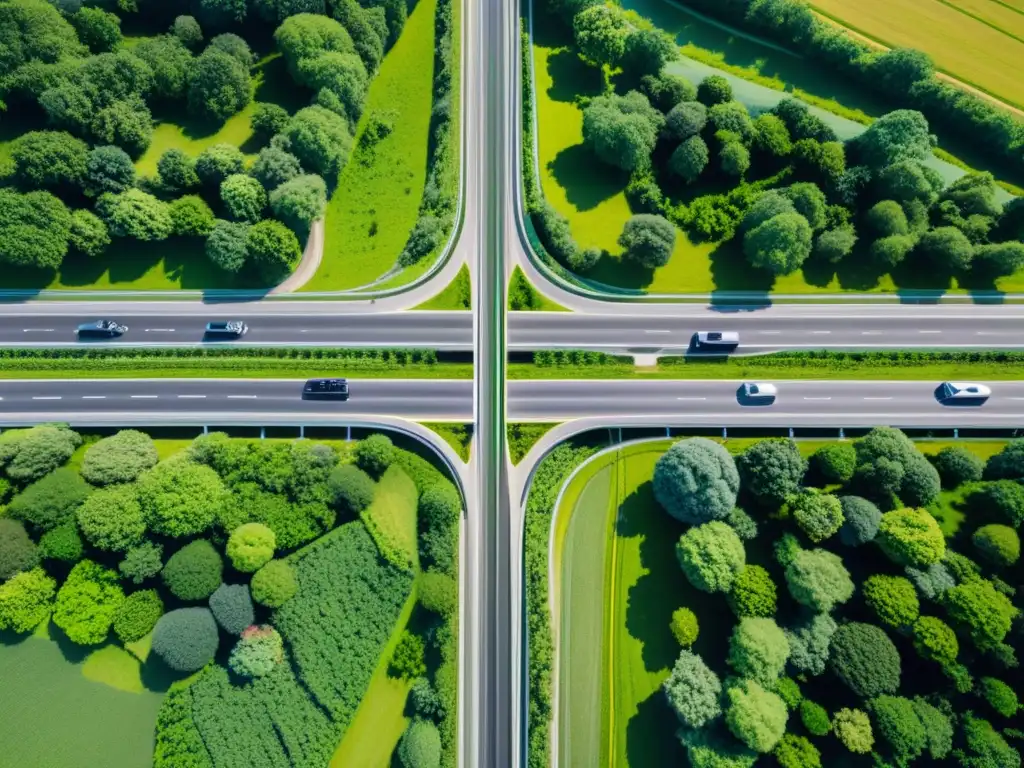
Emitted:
<point x="229" y="329"/>
<point x="325" y="389"/>
<point x="106" y="329"/>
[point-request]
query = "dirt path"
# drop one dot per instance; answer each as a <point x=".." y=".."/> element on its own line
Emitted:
<point x="308" y="264"/>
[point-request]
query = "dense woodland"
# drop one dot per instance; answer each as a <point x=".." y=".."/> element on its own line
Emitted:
<point x="779" y="183"/>
<point x="69" y="68"/>
<point x="276" y="570"/>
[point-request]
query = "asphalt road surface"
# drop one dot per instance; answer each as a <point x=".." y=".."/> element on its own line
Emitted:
<point x="799" y="403"/>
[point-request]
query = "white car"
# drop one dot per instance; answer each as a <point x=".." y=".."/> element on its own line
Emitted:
<point x="759" y="391"/>
<point x="954" y="390"/>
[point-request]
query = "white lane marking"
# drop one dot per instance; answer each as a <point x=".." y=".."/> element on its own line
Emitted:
<point x="242" y="397"/>
<point x="878" y="398"/>
<point x="691" y="398"/>
<point x="1017" y="398"/>
<point x="870" y="333"/>
<point x="94" y="397"/>
<point x="46" y="397"/>
<point x="37" y="330"/>
<point x="770" y="333"/>
<point x="144" y="397"/>
<point x="929" y="331"/>
<point x="195" y="397"/>
<point x="657" y="331"/>
<point x="821" y="332"/>
<point x="817" y="398"/>
<point x="159" y="330"/>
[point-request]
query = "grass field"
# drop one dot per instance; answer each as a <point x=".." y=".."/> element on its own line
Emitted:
<point x="373" y="210"/>
<point x="458" y="294"/>
<point x="391" y="518"/>
<point x="980" y="42"/>
<point x="458" y="436"/>
<point x="618" y="582"/>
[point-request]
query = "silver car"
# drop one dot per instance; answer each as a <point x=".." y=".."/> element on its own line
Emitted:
<point x="958" y="390"/>
<point x="713" y="340"/>
<point x="759" y="391"/>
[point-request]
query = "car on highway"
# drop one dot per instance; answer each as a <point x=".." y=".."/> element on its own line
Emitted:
<point x="759" y="391"/>
<point x="226" y="329"/>
<point x="325" y="389"/>
<point x="715" y="340"/>
<point x="105" y="329"/>
<point x="958" y="391"/>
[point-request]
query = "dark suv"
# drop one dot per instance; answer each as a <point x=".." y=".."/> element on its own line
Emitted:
<point x="104" y="329"/>
<point x="229" y="329"/>
<point x="325" y="389"/>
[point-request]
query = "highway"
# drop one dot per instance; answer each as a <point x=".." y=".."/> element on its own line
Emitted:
<point x="680" y="403"/>
<point x="765" y="330"/>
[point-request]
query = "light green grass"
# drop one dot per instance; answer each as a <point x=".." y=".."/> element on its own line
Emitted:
<point x="380" y="720"/>
<point x="53" y="716"/>
<point x="458" y="436"/>
<point x="529" y="298"/>
<point x="391" y="518"/>
<point x="456" y="295"/>
<point x="375" y="206"/>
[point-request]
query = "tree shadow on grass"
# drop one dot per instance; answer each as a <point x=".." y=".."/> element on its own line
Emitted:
<point x="620" y="273"/>
<point x="650" y="735"/>
<point x="277" y="87"/>
<point x="72" y="652"/>
<point x="730" y="270"/>
<point x="572" y="77"/>
<point x="586" y="180"/>
<point x="157" y="676"/>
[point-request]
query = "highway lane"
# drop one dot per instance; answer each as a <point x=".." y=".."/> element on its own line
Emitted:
<point x="774" y="328"/>
<point x="680" y="403"/>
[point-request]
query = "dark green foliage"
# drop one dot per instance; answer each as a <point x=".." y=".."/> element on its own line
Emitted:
<point x="374" y="454"/>
<point x="734" y="158"/>
<point x="349" y="598"/>
<point x="180" y="498"/>
<point x="983" y="746"/>
<point x="17" y="551"/>
<point x="187" y="30"/>
<point x="274" y="166"/>
<point x="407" y="660"/>
<point x="424" y="700"/>
<point x="438" y="592"/>
<point x="232" y="607"/>
<point x="897" y="722"/>
<point x="137" y="615"/>
<point x="108" y="169"/>
<point x="34" y="229"/>
<point x="648" y="50"/>
<point x="1001" y="498"/>
<point x="600" y="32"/>
<point x="648" y="240"/>
<point x="268" y="119"/>
<point x="896" y="136"/>
<point x="690" y="159"/>
<point x="136" y="214"/>
<point x="893" y="599"/>
<point x="1008" y="464"/>
<point x="274" y="584"/>
<point x="999" y="696"/>
<point x="554" y="232"/>
<point x="62" y="544"/>
<point x="111" y="519"/>
<point x="696" y="480"/>
<point x="771" y="470"/>
<point x="420" y="746"/>
<point x="947" y="248"/>
<point x="299" y="202"/>
<point x="293" y="524"/>
<point x="780" y="245"/>
<point x="937" y="726"/>
<point x="226" y="245"/>
<point x="142" y="562"/>
<point x="758" y="650"/>
<point x="809" y="642"/>
<point x="191" y="217"/>
<point x="88" y="234"/>
<point x="864" y="658"/>
<point x="742" y="523"/>
<point x="425" y="237"/>
<point x="320" y="140"/>
<point x="49" y="160"/>
<point x="272" y="248"/>
<point x="28" y="454"/>
<point x="666" y="91"/>
<point x="998" y="544"/>
<point x="933" y="581"/>
<point x="216" y="163"/>
<point x="244" y="197"/>
<point x="981" y="611"/>
<point x="439" y="510"/>
<point x="815" y="718"/>
<point x="50" y="501"/>
<point x="789" y="692"/>
<point x="194" y="571"/>
<point x="622" y="130"/>
<point x="714" y="89"/>
<point x="686" y="119"/>
<point x="219" y="86"/>
<point x="957" y="466"/>
<point x="833" y="463"/>
<point x="887" y="218"/>
<point x="177" y="171"/>
<point x="753" y="593"/>
<point x="186" y="639"/>
<point x="87" y="603"/>
<point x="26" y="601"/>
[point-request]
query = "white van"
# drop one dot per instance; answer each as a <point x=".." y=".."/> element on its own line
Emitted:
<point x="714" y="340"/>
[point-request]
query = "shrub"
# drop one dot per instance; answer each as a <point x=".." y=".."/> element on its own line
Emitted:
<point x="244" y="197"/>
<point x="648" y="240"/>
<point x="425" y="701"/>
<point x="231" y="606"/>
<point x="809" y="642"/>
<point x="957" y="466"/>
<point x="999" y="544"/>
<point x="933" y="581"/>
<point x="797" y="752"/>
<point x="686" y="119"/>
<point x="191" y="217"/>
<point x="711" y="555"/>
<point x="194" y="571"/>
<point x="981" y="611"/>
<point x="1008" y="464"/>
<point x="755" y="716"/>
<point x="920" y="485"/>
<point x="865" y="659"/>
<point x="892" y="599"/>
<point x="789" y="692"/>
<point x="120" y="458"/>
<point x="180" y="498"/>
<point x="780" y="245"/>
<point x="684" y="626"/>
<point x="62" y="544"/>
<point x="753" y="593"/>
<point x="860" y="521"/>
<point x="935" y="641"/>
<point x="374" y="454"/>
<point x="714" y="748"/>
<point x="742" y="523"/>
<point x="87" y="603"/>
<point x="257" y="652"/>
<point x="834" y="463"/>
<point x="819" y="515"/>
<point x="268" y="119"/>
<point x="693" y="691"/>
<point x="960" y="567"/>
<point x="272" y="249"/>
<point x="420" y="746"/>
<point x="984" y="746"/>
<point x="17" y="551"/>
<point x="771" y="470"/>
<point x="186" y="640"/>
<point x="26" y="601"/>
<point x="696" y="481"/>
<point x="817" y="579"/>
<point x="137" y="615"/>
<point x="250" y="547"/>
<point x="88" y="234"/>
<point x="758" y="650"/>
<point x="438" y="593"/>
<point x="407" y="660"/>
<point x="815" y="718"/>
<point x="853" y="729"/>
<point x="351" y="489"/>
<point x="31" y="453"/>
<point x="142" y="562"/>
<point x="50" y="501"/>
<point x="274" y="584"/>
<point x="714" y="89"/>
<point x="911" y="537"/>
<point x="1002" y="498"/>
<point x="999" y="696"/>
<point x="111" y="519"/>
<point x="897" y="722"/>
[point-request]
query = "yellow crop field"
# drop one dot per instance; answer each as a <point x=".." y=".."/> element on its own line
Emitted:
<point x="976" y="41"/>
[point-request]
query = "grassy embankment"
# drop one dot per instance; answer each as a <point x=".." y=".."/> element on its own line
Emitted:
<point x="610" y="531"/>
<point x="457" y="295"/>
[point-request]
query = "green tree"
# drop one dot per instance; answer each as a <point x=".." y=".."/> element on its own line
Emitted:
<point x="340" y="82"/>
<point x="26" y="600"/>
<point x="34" y="229"/>
<point x="257" y="652"/>
<point x="896" y="136"/>
<point x="865" y="659"/>
<point x="219" y="86"/>
<point x="714" y="89"/>
<point x="17" y="551"/>
<point x="684" y="627"/>
<point x="696" y="480"/>
<point x="191" y="217"/>
<point x="622" y="130"/>
<point x="753" y="593"/>
<point x="120" y="458"/>
<point x="420" y="746"/>
<point x="274" y="584"/>
<point x="689" y="159"/>
<point x="947" y="248"/>
<point x="193" y="572"/>
<point x="87" y="603"/>
<point x="268" y="119"/>
<point x="136" y="214"/>
<point x="648" y="240"/>
<point x="758" y="650"/>
<point x="111" y="519"/>
<point x="797" y="752"/>
<point x="351" y="490"/>
<point x="648" y="50"/>
<point x="250" y="547"/>
<point x="407" y="660"/>
<point x="980" y="610"/>
<point x="983" y="746"/>
<point x="957" y="466"/>
<point x="244" y="198"/>
<point x="999" y="544"/>
<point x="272" y="248"/>
<point x="819" y="515"/>
<point x="771" y="470"/>
<point x="186" y="639"/>
<point x="780" y="245"/>
<point x="49" y="160"/>
<point x="898" y="724"/>
<point x="216" y="163"/>
<point x="600" y="32"/>
<point x="299" y="201"/>
<point x="274" y="166"/>
<point x="88" y="234"/>
<point x="1002" y="498"/>
<point x="887" y="218"/>
<point x="98" y="29"/>
<point x="108" y="169"/>
<point x="890" y="251"/>
<point x="892" y="599"/>
<point x="50" y="501"/>
<point x="177" y="171"/>
<point x="809" y="642"/>
<point x="833" y="463"/>
<point x="226" y="245"/>
<point x="187" y="30"/>
<point x="180" y="498"/>
<point x="320" y="140"/>
<point x="999" y="696"/>
<point x="28" y="454"/>
<point x="171" y="62"/>
<point x="853" y="729"/>
<point x="137" y="615"/>
<point x="755" y="716"/>
<point x="142" y="562"/>
<point x="911" y="537"/>
<point x="815" y="718"/>
<point x="231" y="605"/>
<point x="62" y="544"/>
<point x="687" y="119"/>
<point x="374" y="454"/>
<point x="711" y="555"/>
<point x="126" y="123"/>
<point x="817" y="579"/>
<point x="771" y="136"/>
<point x="935" y="641"/>
<point x="306" y="35"/>
<point x="693" y="691"/>
<point x="235" y="46"/>
<point x="734" y="159"/>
